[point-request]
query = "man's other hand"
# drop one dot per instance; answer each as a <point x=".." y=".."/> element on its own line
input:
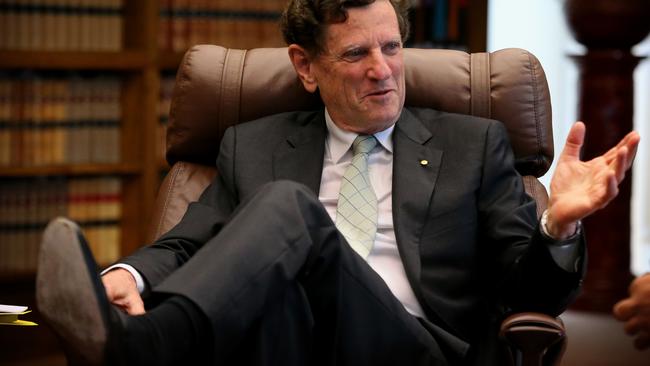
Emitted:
<point x="635" y="312"/>
<point x="122" y="291"/>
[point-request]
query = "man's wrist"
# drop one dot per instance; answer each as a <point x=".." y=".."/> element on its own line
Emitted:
<point x="137" y="277"/>
<point x="552" y="232"/>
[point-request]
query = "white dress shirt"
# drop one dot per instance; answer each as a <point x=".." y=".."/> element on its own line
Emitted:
<point x="384" y="258"/>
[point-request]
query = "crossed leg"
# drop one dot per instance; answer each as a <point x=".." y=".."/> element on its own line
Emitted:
<point x="279" y="285"/>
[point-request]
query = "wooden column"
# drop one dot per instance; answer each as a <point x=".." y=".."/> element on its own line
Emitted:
<point x="609" y="29"/>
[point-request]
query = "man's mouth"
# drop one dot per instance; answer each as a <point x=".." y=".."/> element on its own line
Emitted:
<point x="379" y="93"/>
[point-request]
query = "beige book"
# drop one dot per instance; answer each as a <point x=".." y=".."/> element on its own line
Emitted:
<point x="26" y="123"/>
<point x="72" y="204"/>
<point x="194" y="23"/>
<point x="73" y="25"/>
<point x="23" y="19"/>
<point x="83" y="130"/>
<point x="12" y="30"/>
<point x="48" y="108"/>
<point x="164" y="26"/>
<point x="85" y="28"/>
<point x="112" y="246"/>
<point x="5" y="115"/>
<point x="49" y="24"/>
<point x="61" y="26"/>
<point x="59" y="132"/>
<point x="36" y="26"/>
<point x="4" y="29"/>
<point x="37" y="122"/>
<point x="179" y="25"/>
<point x="73" y="119"/>
<point x="117" y="27"/>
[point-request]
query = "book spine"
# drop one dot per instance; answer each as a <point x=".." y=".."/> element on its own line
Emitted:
<point x="5" y="115"/>
<point x="164" y="28"/>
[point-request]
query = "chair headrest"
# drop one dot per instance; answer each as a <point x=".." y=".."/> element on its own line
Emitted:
<point x="218" y="87"/>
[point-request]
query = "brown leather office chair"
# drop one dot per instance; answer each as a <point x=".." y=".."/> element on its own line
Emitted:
<point x="218" y="87"/>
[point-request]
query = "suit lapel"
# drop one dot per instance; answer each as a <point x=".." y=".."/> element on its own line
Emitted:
<point x="300" y="157"/>
<point x="415" y="171"/>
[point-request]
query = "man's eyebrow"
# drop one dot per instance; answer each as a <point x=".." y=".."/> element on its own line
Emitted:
<point x="393" y="40"/>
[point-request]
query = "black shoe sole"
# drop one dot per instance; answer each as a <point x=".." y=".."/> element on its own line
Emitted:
<point x="70" y="294"/>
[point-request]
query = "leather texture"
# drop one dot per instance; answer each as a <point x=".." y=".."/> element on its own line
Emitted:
<point x="182" y="185"/>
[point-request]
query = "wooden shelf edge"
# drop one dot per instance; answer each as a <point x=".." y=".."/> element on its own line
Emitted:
<point x="18" y="277"/>
<point x="169" y="60"/>
<point x="76" y="169"/>
<point x="64" y="60"/>
<point x="27" y="277"/>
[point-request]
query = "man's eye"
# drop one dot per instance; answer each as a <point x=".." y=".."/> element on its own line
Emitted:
<point x="354" y="54"/>
<point x="392" y="48"/>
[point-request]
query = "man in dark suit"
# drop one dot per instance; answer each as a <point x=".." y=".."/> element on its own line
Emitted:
<point x="265" y="269"/>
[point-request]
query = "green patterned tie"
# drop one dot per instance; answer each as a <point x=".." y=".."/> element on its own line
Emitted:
<point x="356" y="212"/>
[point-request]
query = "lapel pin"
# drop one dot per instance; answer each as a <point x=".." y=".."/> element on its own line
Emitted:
<point x="424" y="162"/>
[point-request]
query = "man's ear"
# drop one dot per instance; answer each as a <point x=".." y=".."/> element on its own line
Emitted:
<point x="302" y="62"/>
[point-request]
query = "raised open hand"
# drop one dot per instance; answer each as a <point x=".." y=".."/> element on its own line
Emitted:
<point x="579" y="188"/>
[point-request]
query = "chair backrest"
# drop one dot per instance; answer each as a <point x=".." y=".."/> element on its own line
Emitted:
<point x="218" y="87"/>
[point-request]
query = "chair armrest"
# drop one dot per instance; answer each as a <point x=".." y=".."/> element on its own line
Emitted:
<point x="183" y="184"/>
<point x="534" y="339"/>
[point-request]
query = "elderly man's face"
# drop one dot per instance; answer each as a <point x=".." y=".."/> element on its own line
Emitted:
<point x="360" y="73"/>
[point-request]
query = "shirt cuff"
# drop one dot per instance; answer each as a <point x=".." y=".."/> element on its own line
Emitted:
<point x="565" y="252"/>
<point x="139" y="281"/>
<point x="544" y="229"/>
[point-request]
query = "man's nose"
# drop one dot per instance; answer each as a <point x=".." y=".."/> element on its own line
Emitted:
<point x="378" y="68"/>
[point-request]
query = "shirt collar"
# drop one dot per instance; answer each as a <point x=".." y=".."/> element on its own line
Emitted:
<point x="340" y="141"/>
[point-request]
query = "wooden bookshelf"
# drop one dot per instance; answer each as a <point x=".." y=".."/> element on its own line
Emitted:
<point x="70" y="170"/>
<point x="134" y="60"/>
<point x="168" y="60"/>
<point x="136" y="66"/>
<point x="141" y="65"/>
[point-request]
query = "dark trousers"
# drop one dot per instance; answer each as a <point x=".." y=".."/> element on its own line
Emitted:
<point x="282" y="287"/>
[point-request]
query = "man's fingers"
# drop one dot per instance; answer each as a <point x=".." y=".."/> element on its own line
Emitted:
<point x="632" y="146"/>
<point x="131" y="305"/>
<point x="620" y="164"/>
<point x="635" y="325"/>
<point x="631" y="142"/>
<point x="625" y="309"/>
<point x="611" y="191"/>
<point x="574" y="142"/>
<point x="135" y="307"/>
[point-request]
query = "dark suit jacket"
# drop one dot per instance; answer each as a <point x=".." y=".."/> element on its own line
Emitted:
<point x="465" y="229"/>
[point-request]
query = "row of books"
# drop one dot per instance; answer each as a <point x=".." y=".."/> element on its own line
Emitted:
<point x="61" y="25"/>
<point x="440" y="24"/>
<point x="50" y="120"/>
<point x="228" y="23"/>
<point x="26" y="205"/>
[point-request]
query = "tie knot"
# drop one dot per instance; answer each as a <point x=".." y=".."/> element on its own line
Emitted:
<point x="363" y="144"/>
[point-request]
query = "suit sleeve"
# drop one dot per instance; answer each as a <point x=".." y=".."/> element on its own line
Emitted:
<point x="202" y="221"/>
<point x="532" y="270"/>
